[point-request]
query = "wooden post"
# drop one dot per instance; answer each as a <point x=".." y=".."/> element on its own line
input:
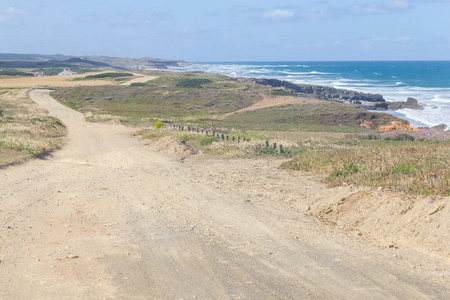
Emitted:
<point x="280" y="149"/>
<point x="232" y="138"/>
<point x="274" y="145"/>
<point x="267" y="144"/>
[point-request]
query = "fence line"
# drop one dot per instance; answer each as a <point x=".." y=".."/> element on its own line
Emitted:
<point x="224" y="137"/>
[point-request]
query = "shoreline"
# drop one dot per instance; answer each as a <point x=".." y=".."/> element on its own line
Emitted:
<point x="433" y="98"/>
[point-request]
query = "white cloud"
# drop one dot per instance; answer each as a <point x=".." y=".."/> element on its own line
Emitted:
<point x="278" y="14"/>
<point x="371" y="7"/>
<point x="9" y="13"/>
<point x="380" y="7"/>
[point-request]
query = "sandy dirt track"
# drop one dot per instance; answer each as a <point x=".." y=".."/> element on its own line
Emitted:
<point x="107" y="218"/>
<point x="52" y="81"/>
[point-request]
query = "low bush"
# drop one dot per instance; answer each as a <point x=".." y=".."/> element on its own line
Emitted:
<point x="208" y="140"/>
<point x="193" y="83"/>
<point x="137" y="84"/>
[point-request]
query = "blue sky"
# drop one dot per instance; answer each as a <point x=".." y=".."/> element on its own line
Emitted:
<point x="201" y="30"/>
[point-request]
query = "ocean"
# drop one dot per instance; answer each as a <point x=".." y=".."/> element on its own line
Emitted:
<point x="426" y="81"/>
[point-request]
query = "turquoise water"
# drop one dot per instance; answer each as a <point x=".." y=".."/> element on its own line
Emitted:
<point x="427" y="81"/>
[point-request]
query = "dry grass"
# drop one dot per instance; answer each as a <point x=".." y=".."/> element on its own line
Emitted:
<point x="53" y="81"/>
<point x="26" y="130"/>
<point x="419" y="167"/>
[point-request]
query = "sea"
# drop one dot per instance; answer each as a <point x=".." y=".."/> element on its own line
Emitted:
<point x="426" y="81"/>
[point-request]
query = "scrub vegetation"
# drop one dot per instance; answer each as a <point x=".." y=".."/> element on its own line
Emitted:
<point x="25" y="128"/>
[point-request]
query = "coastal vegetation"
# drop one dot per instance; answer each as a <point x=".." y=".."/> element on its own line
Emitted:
<point x="105" y="75"/>
<point x="26" y="130"/>
<point x="199" y="97"/>
<point x="415" y="166"/>
<point x="171" y="96"/>
<point x="343" y="147"/>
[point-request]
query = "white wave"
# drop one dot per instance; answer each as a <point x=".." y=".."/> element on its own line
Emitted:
<point x="438" y="98"/>
<point x="436" y="101"/>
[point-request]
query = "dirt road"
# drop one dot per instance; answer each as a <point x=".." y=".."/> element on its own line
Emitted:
<point x="107" y="218"/>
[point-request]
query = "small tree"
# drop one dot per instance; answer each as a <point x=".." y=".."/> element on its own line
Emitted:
<point x="159" y="124"/>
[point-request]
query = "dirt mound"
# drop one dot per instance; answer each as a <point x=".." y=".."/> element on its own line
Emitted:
<point x="172" y="145"/>
<point x="396" y="219"/>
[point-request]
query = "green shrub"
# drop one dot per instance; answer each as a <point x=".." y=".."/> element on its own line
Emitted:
<point x="208" y="140"/>
<point x="159" y="125"/>
<point x="108" y="75"/>
<point x="184" y="137"/>
<point x="349" y="168"/>
<point x="403" y="168"/>
<point x="193" y="83"/>
<point x="281" y="93"/>
<point x="138" y="84"/>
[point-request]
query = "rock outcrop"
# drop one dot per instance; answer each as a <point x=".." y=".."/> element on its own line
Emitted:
<point x="440" y="127"/>
<point x="365" y="100"/>
<point x="410" y="103"/>
<point x="320" y="92"/>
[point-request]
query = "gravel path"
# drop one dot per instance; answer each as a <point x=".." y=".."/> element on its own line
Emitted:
<point x="107" y="218"/>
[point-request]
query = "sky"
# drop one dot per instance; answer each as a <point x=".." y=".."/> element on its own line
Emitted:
<point x="219" y="31"/>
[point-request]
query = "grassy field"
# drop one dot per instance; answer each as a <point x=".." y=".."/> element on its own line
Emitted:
<point x="322" y="116"/>
<point x="25" y="128"/>
<point x="172" y="95"/>
<point x="419" y="166"/>
<point x="200" y="97"/>
<point x="416" y="163"/>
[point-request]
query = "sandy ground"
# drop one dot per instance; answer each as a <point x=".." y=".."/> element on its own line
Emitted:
<point x="52" y="81"/>
<point x="108" y="218"/>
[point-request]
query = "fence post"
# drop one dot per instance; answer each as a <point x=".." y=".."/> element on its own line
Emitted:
<point x="232" y="138"/>
<point x="274" y="145"/>
<point x="267" y="144"/>
<point x="280" y="149"/>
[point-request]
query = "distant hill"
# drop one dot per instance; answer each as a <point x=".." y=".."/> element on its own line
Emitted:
<point x="13" y="60"/>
